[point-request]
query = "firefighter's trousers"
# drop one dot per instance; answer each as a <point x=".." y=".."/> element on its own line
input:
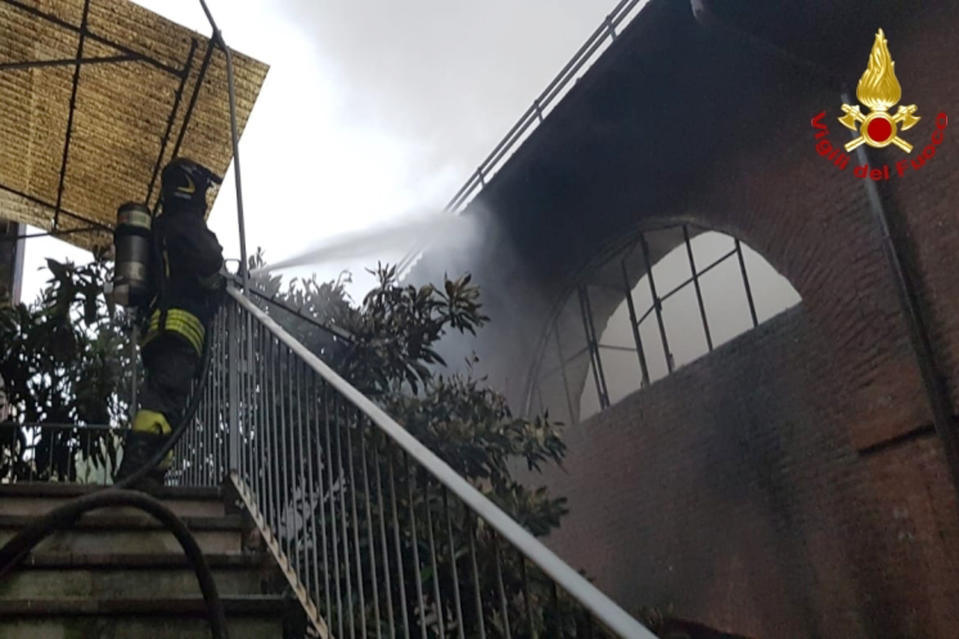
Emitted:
<point x="170" y="364"/>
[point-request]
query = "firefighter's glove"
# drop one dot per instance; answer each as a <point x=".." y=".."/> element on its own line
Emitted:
<point x="213" y="282"/>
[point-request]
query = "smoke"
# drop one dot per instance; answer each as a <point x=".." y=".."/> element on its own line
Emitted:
<point x="397" y="234"/>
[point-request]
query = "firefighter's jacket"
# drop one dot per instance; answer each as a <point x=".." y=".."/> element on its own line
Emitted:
<point x="186" y="277"/>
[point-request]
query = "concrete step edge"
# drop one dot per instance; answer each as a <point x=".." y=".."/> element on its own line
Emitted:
<point x="68" y="560"/>
<point x="235" y="605"/>
<point x="64" y="489"/>
<point x="132" y="522"/>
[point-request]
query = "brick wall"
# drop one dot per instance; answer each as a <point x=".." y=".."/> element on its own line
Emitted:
<point x="752" y="511"/>
<point x="790" y="484"/>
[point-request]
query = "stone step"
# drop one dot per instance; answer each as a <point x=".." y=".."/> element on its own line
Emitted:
<point x="136" y="533"/>
<point x="37" y="498"/>
<point x="249" y="617"/>
<point x="137" y="575"/>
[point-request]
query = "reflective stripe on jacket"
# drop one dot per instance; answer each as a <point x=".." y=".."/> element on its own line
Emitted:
<point x="183" y="323"/>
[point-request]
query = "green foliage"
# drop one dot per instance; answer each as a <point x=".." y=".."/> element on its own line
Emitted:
<point x="394" y="360"/>
<point x="64" y="360"/>
<point x="61" y="362"/>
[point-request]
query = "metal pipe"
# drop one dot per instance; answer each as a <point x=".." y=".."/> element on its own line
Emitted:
<point x="134" y="338"/>
<point x="699" y="292"/>
<point x="70" y="113"/>
<point x="657" y="302"/>
<point x="634" y="324"/>
<point x="235" y="136"/>
<point x="169" y="123"/>
<point x="592" y="341"/>
<point x="749" y="290"/>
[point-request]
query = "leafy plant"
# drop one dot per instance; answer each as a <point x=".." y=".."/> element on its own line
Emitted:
<point x="62" y="361"/>
<point x="393" y="358"/>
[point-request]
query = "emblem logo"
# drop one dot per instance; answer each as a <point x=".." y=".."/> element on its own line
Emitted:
<point x="879" y="90"/>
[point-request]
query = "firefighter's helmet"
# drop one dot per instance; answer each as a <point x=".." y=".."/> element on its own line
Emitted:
<point x="184" y="184"/>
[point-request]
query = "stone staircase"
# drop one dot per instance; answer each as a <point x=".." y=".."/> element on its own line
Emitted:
<point x="119" y="574"/>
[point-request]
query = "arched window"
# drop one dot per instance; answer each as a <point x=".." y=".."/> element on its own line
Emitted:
<point x="690" y="290"/>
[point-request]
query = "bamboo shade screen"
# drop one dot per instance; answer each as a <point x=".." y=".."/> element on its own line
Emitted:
<point x="65" y="167"/>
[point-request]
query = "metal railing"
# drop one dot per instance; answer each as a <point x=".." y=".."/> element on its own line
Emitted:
<point x="59" y="453"/>
<point x="378" y="536"/>
<point x="617" y="19"/>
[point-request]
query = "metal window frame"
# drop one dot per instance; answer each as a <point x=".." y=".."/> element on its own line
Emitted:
<point x="593" y="344"/>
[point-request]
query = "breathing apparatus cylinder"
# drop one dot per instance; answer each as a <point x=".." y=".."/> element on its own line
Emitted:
<point x="132" y="241"/>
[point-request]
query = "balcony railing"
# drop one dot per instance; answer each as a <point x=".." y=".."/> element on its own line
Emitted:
<point x="378" y="535"/>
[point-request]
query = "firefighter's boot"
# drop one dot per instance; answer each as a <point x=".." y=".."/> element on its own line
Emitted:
<point x="149" y="433"/>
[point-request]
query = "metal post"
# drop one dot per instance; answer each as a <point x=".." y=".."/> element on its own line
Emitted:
<point x="134" y="368"/>
<point x="749" y="290"/>
<point x="592" y="342"/>
<point x="235" y="136"/>
<point x="634" y="323"/>
<point x="73" y="103"/>
<point x="657" y="303"/>
<point x="562" y="368"/>
<point x="934" y="384"/>
<point x="699" y="293"/>
<point x="234" y="390"/>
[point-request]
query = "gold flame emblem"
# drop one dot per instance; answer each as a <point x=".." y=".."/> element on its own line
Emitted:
<point x="879" y="90"/>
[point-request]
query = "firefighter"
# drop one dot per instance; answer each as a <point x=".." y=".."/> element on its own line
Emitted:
<point x="188" y="287"/>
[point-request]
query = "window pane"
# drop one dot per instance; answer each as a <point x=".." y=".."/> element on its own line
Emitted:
<point x="552" y="394"/>
<point x="653" y="347"/>
<point x="673" y="269"/>
<point x="684" y="326"/>
<point x="772" y="292"/>
<point x="709" y="247"/>
<point x="623" y="374"/>
<point x="618" y="331"/>
<point x="589" y="403"/>
<point x="725" y="299"/>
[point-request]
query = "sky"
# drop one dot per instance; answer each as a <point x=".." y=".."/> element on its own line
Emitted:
<point x="370" y="111"/>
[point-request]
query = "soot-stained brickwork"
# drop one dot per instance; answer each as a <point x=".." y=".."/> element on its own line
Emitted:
<point x="732" y="493"/>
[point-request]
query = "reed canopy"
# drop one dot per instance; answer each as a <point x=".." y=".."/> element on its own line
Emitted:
<point x="96" y="96"/>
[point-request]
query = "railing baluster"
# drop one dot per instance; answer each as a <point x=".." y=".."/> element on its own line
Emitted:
<point x="414" y="542"/>
<point x="471" y="531"/>
<point x="320" y="458"/>
<point x="295" y="487"/>
<point x="433" y="563"/>
<point x="456" y="581"/>
<point x="504" y="609"/>
<point x="276" y="408"/>
<point x="369" y="531"/>
<point x="342" y="515"/>
<point x="381" y="507"/>
<point x="310" y="480"/>
<point x="356" y="526"/>
<point x="396" y="544"/>
<point x="285" y="460"/>
<point x="329" y="477"/>
<point x="530" y="626"/>
<point x="261" y="448"/>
